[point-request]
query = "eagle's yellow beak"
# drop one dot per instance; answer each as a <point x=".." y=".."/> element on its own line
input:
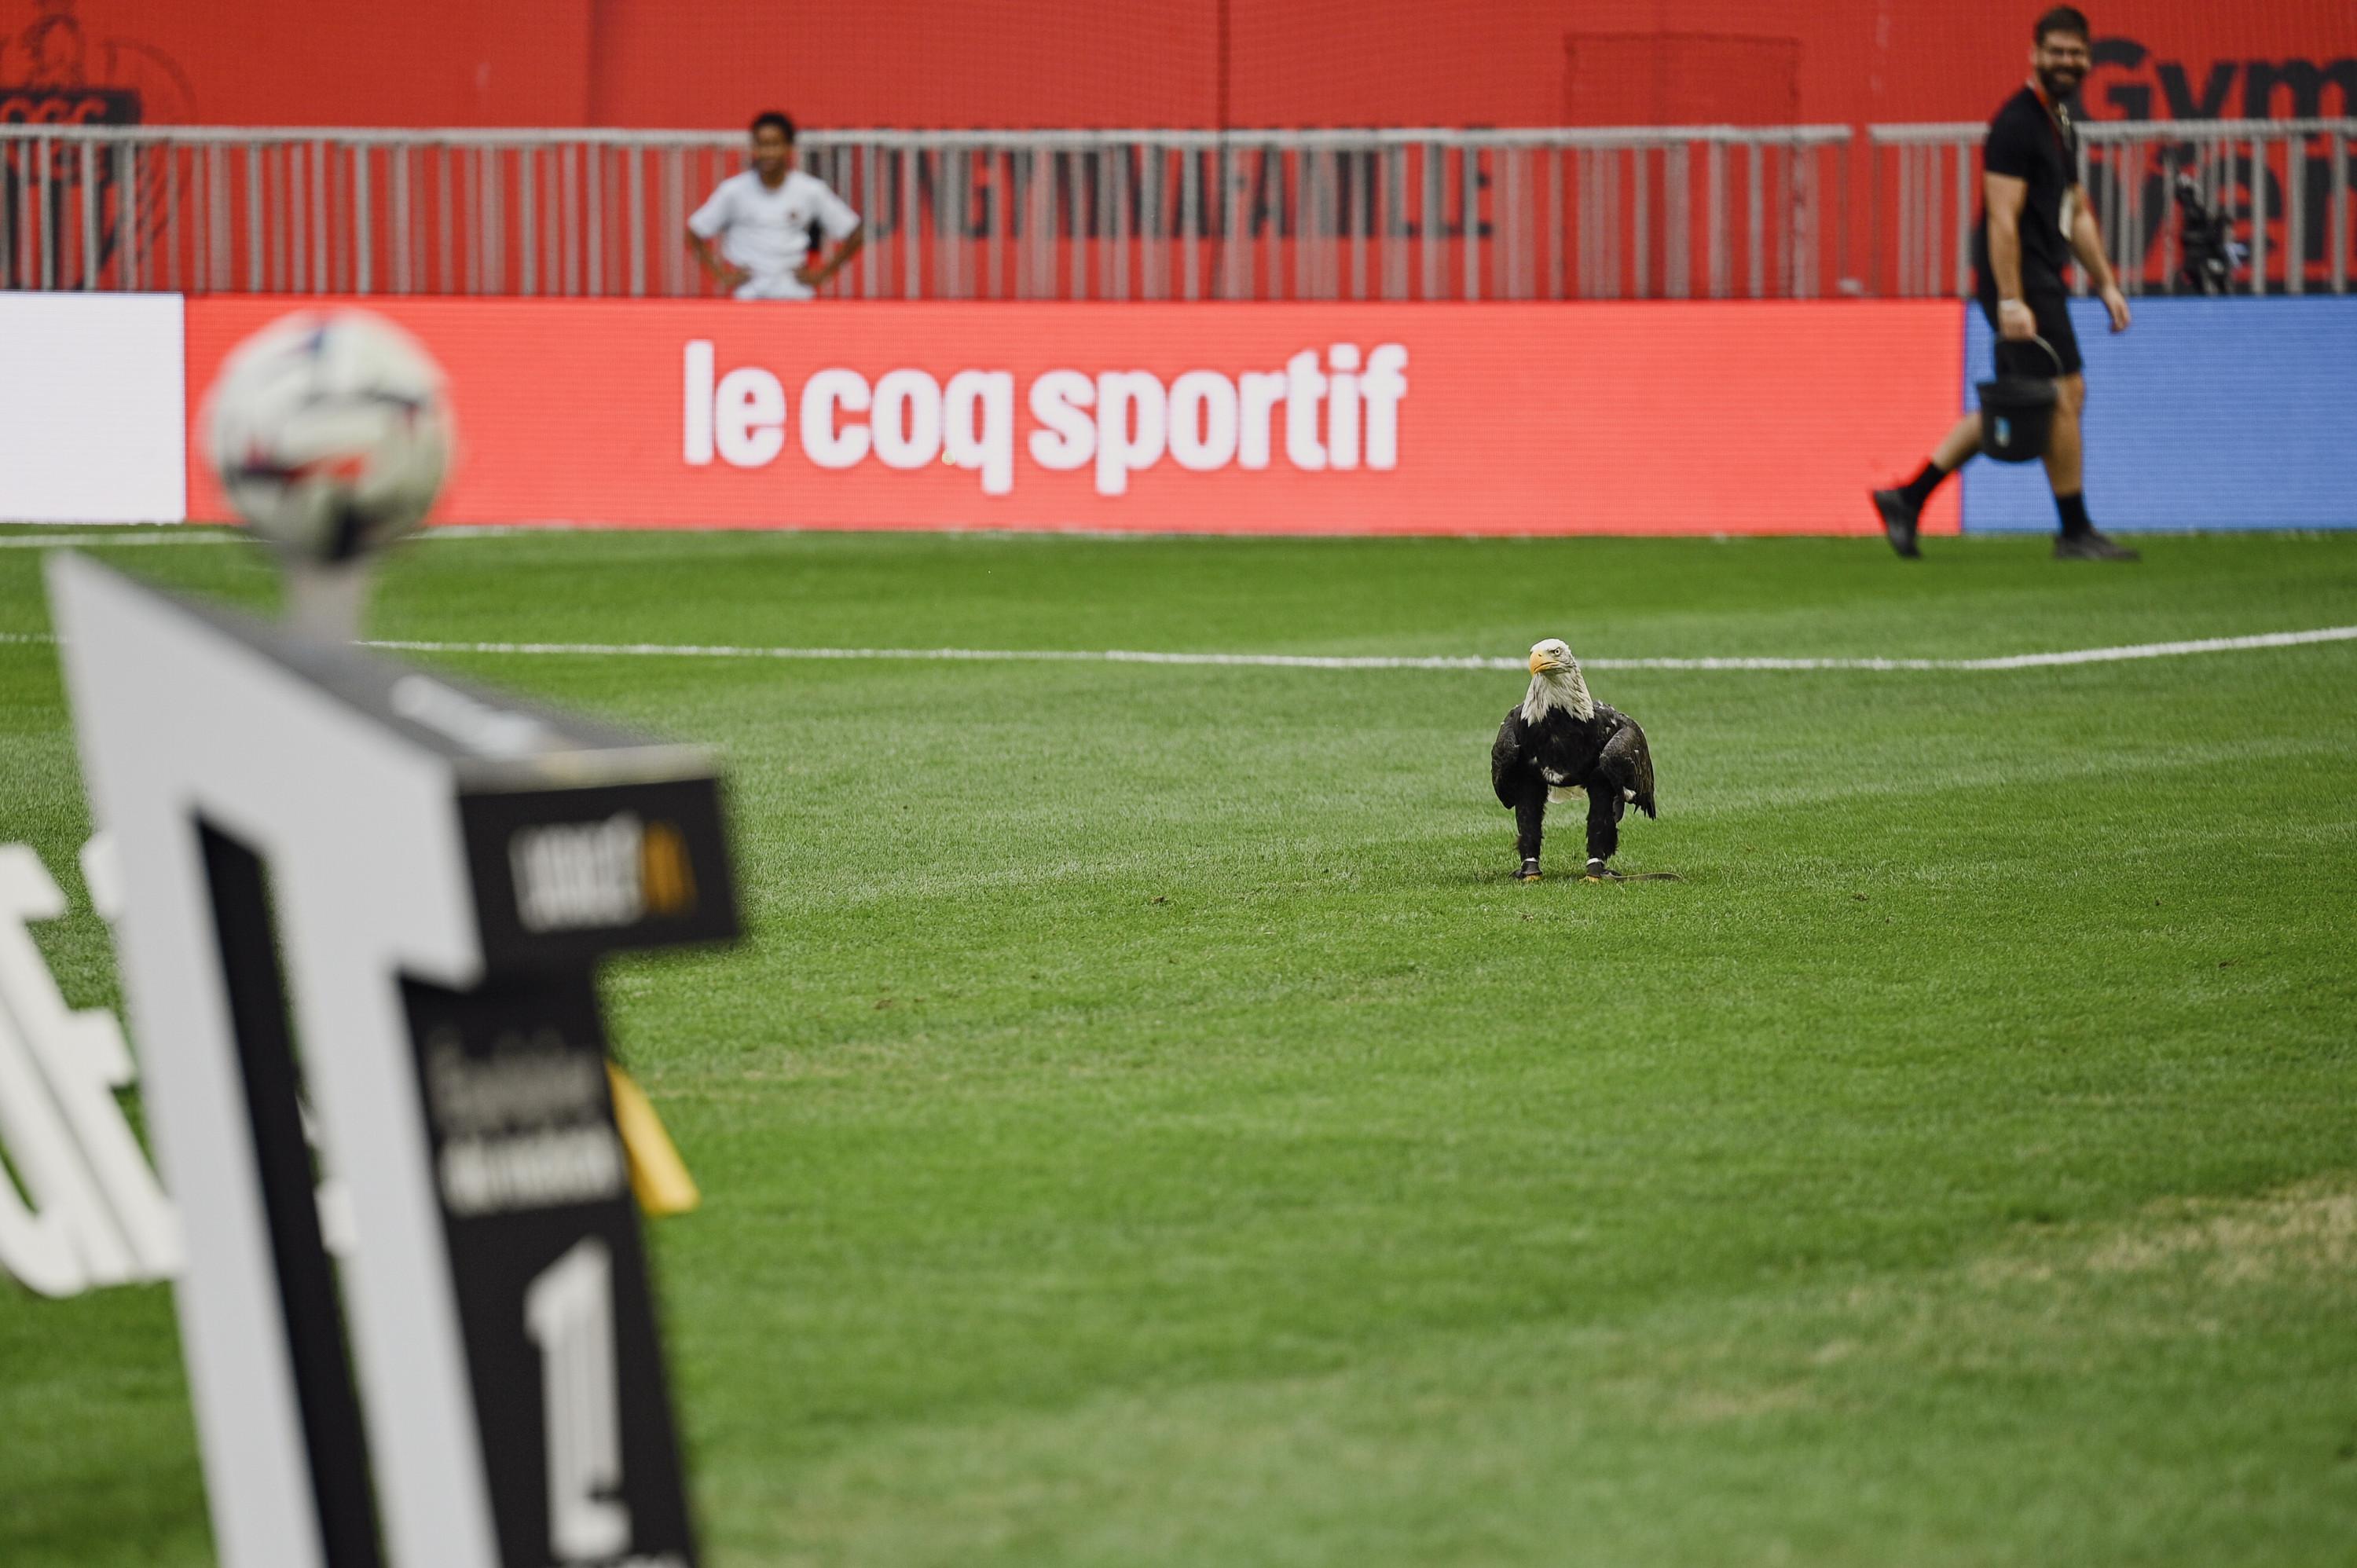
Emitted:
<point x="1538" y="662"/>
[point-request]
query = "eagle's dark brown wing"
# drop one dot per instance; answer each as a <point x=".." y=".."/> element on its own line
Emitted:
<point x="1629" y="763"/>
<point x="1506" y="759"/>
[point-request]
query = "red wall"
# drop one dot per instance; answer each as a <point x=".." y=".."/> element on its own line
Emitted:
<point x="1082" y="62"/>
<point x="314" y="62"/>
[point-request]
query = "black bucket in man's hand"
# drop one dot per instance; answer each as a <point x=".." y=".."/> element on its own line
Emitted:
<point x="2017" y="410"/>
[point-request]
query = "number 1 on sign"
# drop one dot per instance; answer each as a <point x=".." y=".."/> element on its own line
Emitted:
<point x="569" y="1314"/>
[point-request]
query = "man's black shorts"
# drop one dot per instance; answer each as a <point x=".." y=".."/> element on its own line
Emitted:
<point x="2051" y="306"/>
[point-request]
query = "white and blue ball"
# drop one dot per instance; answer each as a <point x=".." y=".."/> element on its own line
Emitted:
<point x="330" y="433"/>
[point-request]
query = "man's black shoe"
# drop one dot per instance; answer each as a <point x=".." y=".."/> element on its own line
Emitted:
<point x="1899" y="521"/>
<point x="2092" y="546"/>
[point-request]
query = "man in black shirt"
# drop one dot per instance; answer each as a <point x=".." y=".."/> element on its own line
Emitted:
<point x="2034" y="218"/>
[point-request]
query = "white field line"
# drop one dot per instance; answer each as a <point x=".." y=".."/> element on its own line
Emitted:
<point x="115" y="541"/>
<point x="1337" y="662"/>
<point x="1342" y="661"/>
<point x="205" y="534"/>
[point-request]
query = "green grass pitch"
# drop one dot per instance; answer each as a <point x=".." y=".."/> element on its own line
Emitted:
<point x="1147" y="1126"/>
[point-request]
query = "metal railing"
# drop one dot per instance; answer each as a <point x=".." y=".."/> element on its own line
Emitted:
<point x="1679" y="212"/>
<point x="2279" y="187"/>
<point x="1675" y="213"/>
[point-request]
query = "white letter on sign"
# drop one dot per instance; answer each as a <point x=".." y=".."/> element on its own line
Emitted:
<point x="978" y="426"/>
<point x="569" y="1315"/>
<point x="1119" y="453"/>
<point x="1342" y="405"/>
<point x="821" y="443"/>
<point x="1303" y="390"/>
<point x="103" y="1217"/>
<point x="695" y="416"/>
<point x="1382" y="387"/>
<point x="1069" y="440"/>
<point x="908" y="419"/>
<point x="1203" y="420"/>
<point x="750" y="417"/>
<point x="1257" y="392"/>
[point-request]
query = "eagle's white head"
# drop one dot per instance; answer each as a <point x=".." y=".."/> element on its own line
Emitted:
<point x="1556" y="683"/>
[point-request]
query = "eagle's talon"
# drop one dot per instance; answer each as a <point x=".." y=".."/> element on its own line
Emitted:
<point x="1529" y="873"/>
<point x="1600" y="872"/>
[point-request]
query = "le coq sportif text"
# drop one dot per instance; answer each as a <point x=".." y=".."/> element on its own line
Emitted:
<point x="1332" y="411"/>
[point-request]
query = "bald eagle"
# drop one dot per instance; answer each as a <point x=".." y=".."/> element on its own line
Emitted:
<point x="1561" y="742"/>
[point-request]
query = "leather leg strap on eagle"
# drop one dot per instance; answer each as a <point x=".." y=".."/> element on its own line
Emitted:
<point x="1561" y="742"/>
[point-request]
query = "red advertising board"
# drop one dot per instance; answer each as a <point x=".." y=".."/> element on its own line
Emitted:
<point x="1638" y="418"/>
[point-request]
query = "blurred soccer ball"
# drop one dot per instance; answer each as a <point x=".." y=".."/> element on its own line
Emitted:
<point x="330" y="433"/>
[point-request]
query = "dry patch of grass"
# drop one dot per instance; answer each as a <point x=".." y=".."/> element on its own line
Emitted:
<point x="2307" y="1231"/>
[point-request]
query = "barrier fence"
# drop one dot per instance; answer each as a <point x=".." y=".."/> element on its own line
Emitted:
<point x="1678" y="213"/>
<point x="2279" y="188"/>
<point x="1696" y="212"/>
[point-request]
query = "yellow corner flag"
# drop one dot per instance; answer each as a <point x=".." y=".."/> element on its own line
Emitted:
<point x="657" y="1173"/>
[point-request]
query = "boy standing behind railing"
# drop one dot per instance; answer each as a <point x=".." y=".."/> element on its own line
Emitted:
<point x="768" y="221"/>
